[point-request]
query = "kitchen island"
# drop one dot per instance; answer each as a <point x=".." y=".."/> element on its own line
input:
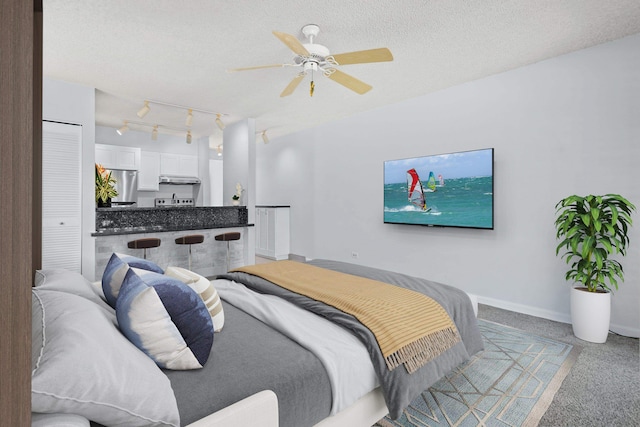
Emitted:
<point x="115" y="227"/>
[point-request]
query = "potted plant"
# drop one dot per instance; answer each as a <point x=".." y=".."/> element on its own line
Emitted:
<point x="592" y="228"/>
<point x="105" y="187"/>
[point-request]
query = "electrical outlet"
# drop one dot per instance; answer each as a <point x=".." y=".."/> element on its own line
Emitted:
<point x="354" y="255"/>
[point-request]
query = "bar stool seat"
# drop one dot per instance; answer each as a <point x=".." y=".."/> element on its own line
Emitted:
<point x="192" y="239"/>
<point x="145" y="243"/>
<point x="228" y="237"/>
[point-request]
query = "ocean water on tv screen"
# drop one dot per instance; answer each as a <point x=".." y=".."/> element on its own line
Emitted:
<point x="460" y="202"/>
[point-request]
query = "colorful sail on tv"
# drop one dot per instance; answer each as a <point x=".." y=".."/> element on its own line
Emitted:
<point x="431" y="182"/>
<point x="415" y="192"/>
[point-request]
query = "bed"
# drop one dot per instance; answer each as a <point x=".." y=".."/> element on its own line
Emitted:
<point x="273" y="356"/>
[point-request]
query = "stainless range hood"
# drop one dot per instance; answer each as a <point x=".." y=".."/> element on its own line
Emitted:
<point x="180" y="180"/>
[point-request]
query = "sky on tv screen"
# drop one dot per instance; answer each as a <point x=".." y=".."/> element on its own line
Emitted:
<point x="455" y="165"/>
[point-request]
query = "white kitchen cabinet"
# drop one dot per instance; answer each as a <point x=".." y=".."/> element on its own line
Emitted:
<point x="118" y="157"/>
<point x="149" y="171"/>
<point x="272" y="232"/>
<point x="178" y="164"/>
<point x="61" y="196"/>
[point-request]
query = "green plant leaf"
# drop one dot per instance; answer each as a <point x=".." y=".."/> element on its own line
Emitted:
<point x="586" y="219"/>
<point x="598" y="257"/>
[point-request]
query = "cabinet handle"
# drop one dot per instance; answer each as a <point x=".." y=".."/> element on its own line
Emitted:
<point x="62" y="223"/>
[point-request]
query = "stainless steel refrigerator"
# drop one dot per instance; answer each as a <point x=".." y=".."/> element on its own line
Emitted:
<point x="127" y="187"/>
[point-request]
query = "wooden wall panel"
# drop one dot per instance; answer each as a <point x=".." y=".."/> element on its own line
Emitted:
<point x="20" y="121"/>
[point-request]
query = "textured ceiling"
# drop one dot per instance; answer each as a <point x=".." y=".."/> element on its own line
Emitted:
<point x="179" y="52"/>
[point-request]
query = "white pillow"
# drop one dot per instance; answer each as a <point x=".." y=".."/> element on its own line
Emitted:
<point x="203" y="287"/>
<point x="71" y="282"/>
<point x="82" y="364"/>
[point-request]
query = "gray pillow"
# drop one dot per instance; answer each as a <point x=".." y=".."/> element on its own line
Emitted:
<point x="83" y="365"/>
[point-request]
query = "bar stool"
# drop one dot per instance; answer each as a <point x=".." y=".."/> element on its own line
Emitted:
<point x="192" y="239"/>
<point x="228" y="237"/>
<point x="146" y="243"/>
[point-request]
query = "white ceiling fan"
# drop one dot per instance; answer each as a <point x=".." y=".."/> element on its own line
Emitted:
<point x="312" y="57"/>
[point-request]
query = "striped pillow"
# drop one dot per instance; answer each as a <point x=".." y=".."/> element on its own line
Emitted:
<point x="205" y="289"/>
<point x="166" y="319"/>
<point x="116" y="270"/>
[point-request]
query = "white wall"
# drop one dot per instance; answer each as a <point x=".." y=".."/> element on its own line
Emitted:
<point x="217" y="177"/>
<point x="569" y="125"/>
<point x="240" y="167"/>
<point x="72" y="103"/>
<point x="133" y="138"/>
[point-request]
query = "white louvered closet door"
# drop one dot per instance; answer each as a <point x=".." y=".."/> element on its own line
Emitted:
<point x="61" y="196"/>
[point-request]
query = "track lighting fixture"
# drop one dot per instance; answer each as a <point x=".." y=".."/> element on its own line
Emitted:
<point x="155" y="129"/>
<point x="123" y="129"/>
<point x="188" y="122"/>
<point x="265" y="139"/>
<point x="219" y="122"/>
<point x="144" y="110"/>
<point x="190" y="111"/>
<point x="219" y="150"/>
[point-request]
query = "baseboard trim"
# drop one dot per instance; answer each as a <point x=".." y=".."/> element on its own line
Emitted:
<point x="550" y="315"/>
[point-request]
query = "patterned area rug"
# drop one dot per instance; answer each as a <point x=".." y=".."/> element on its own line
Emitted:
<point x="510" y="384"/>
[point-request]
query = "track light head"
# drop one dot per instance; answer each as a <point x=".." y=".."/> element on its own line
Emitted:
<point x="189" y="117"/>
<point x="219" y="150"/>
<point x="123" y="129"/>
<point x="154" y="133"/>
<point x="188" y="137"/>
<point x="265" y="139"/>
<point x="219" y="122"/>
<point x="144" y="110"/>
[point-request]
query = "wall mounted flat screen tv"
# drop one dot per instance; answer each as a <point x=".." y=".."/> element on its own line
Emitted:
<point x="443" y="190"/>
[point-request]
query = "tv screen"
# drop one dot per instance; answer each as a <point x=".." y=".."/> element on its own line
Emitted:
<point x="444" y="190"/>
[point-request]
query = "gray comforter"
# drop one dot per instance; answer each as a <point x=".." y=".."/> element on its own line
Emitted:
<point x="247" y="356"/>
<point x="399" y="387"/>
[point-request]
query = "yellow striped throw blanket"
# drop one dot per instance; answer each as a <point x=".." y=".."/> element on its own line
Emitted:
<point x="410" y="328"/>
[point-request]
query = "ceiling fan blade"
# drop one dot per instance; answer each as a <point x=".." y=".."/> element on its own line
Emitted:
<point x="257" y="67"/>
<point x="292" y="85"/>
<point x="349" y="82"/>
<point x="364" y="56"/>
<point x="292" y="42"/>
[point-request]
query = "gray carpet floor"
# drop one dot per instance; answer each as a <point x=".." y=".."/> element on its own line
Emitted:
<point x="603" y="387"/>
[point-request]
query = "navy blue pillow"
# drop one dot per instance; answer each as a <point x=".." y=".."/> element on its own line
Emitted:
<point x="116" y="270"/>
<point x="166" y="319"/>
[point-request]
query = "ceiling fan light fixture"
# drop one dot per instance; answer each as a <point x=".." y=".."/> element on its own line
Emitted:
<point x="123" y="129"/>
<point x="189" y="120"/>
<point x="316" y="57"/>
<point x="219" y="122"/>
<point x="144" y="110"/>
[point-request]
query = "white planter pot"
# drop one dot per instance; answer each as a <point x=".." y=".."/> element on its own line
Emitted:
<point x="590" y="314"/>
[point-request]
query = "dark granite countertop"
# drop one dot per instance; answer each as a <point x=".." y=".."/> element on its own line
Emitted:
<point x="128" y="220"/>
<point x="115" y="231"/>
<point x="172" y="208"/>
